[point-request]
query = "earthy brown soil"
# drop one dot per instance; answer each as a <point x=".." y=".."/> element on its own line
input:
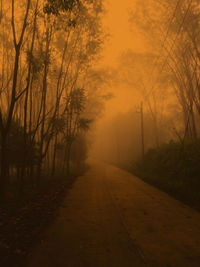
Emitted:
<point x="23" y="221"/>
<point x="112" y="219"/>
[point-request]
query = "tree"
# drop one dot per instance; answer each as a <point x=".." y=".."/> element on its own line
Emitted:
<point x="5" y="121"/>
<point x="177" y="60"/>
<point x="44" y="68"/>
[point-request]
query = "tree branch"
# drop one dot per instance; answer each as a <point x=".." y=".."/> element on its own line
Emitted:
<point x="13" y="24"/>
<point x="25" y="21"/>
<point x="20" y="94"/>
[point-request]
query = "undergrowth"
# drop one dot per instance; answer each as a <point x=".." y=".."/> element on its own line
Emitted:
<point x="174" y="168"/>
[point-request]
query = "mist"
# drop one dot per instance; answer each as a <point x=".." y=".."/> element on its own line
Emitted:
<point x="142" y="60"/>
<point x="99" y="133"/>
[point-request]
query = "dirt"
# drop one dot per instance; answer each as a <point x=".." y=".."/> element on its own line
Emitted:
<point x="22" y="221"/>
<point x="110" y="218"/>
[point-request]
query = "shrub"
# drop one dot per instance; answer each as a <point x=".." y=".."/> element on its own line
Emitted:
<point x="175" y="168"/>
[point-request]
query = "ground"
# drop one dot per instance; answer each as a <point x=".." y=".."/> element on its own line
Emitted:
<point x="110" y="218"/>
<point x="23" y="220"/>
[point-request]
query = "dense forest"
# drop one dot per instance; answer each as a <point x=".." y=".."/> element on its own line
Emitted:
<point x="49" y="90"/>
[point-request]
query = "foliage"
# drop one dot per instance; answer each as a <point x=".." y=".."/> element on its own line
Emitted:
<point x="44" y="88"/>
<point x="58" y="124"/>
<point x="84" y="124"/>
<point x="56" y="6"/>
<point x="79" y="150"/>
<point x="18" y="148"/>
<point x="173" y="167"/>
<point x="77" y="99"/>
<point x="36" y="61"/>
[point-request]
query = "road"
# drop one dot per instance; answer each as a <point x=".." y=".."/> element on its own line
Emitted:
<point x="110" y="218"/>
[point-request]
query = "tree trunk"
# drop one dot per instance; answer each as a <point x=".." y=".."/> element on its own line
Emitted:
<point x="38" y="173"/>
<point x="54" y="156"/>
<point x="68" y="156"/>
<point x="4" y="166"/>
<point x="194" y="130"/>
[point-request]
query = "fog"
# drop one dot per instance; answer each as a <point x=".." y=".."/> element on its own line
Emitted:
<point x="129" y="53"/>
<point x="145" y="62"/>
<point x="116" y="81"/>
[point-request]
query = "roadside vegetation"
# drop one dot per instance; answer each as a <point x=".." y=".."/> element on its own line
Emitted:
<point x="173" y="98"/>
<point x="162" y="128"/>
<point x="49" y="98"/>
<point x="47" y="52"/>
<point x="174" y="168"/>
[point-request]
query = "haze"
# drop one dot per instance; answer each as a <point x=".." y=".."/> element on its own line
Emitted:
<point x="99" y="133"/>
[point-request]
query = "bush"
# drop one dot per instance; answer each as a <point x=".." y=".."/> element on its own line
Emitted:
<point x="175" y="168"/>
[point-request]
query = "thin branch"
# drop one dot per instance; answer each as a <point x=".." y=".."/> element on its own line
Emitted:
<point x="20" y="94"/>
<point x="25" y="22"/>
<point x="13" y="24"/>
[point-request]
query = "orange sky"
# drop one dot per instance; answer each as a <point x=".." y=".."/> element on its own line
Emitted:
<point x="116" y="22"/>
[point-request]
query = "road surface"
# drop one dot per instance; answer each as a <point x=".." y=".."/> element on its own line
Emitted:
<point x="111" y="218"/>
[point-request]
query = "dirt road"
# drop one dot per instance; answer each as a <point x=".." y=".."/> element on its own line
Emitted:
<point x="112" y="219"/>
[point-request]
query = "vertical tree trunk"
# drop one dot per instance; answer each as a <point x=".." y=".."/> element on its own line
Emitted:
<point x="68" y="156"/>
<point x="54" y="156"/>
<point x="43" y="107"/>
<point x="194" y="130"/>
<point x="142" y="130"/>
<point x="6" y="130"/>
<point x="3" y="177"/>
